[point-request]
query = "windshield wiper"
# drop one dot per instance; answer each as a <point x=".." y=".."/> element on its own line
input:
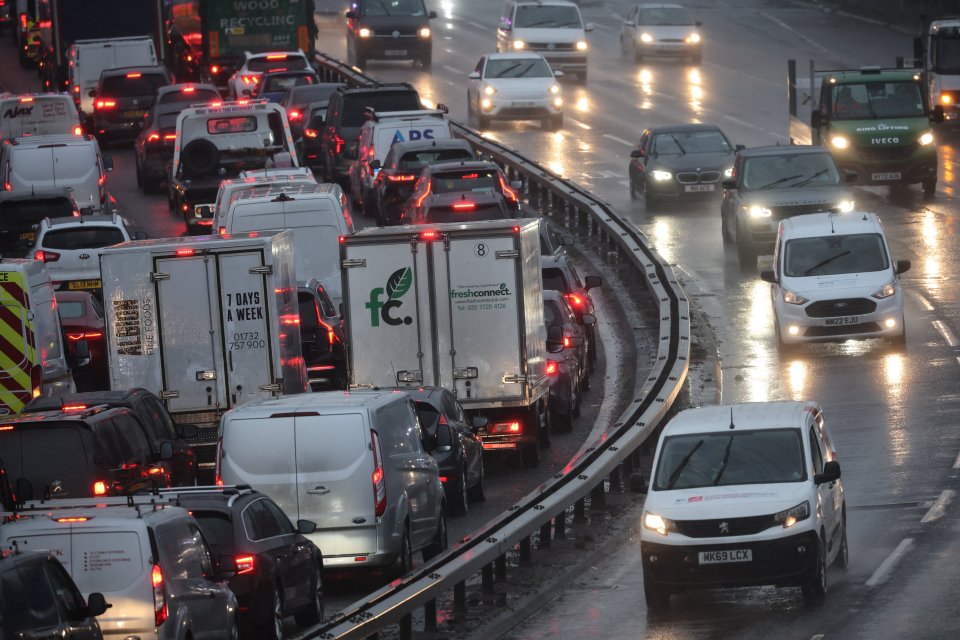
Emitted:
<point x="723" y="465"/>
<point x="683" y="151"/>
<point x="507" y="70"/>
<point x="384" y="7"/>
<point x="780" y="181"/>
<point x="810" y="178"/>
<point x="536" y="24"/>
<point x="825" y="262"/>
<point x="675" y="475"/>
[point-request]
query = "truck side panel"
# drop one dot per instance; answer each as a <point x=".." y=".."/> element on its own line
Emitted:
<point x="533" y="322"/>
<point x="64" y="21"/>
<point x="236" y="26"/>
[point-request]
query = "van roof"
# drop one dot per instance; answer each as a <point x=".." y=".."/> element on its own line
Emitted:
<point x="59" y="140"/>
<point x="306" y="403"/>
<point x="819" y="224"/>
<point x="750" y="415"/>
<point x="100" y="512"/>
<point x="267" y="192"/>
<point x="26" y="266"/>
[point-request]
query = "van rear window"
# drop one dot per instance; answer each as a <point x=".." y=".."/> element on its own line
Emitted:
<point x="239" y="124"/>
<point x="354" y="105"/>
<point x="417" y="160"/>
<point x="291" y="63"/>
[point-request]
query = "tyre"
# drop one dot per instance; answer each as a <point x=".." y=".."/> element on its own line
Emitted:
<point x="530" y="455"/>
<point x="650" y="200"/>
<point x="232" y="634"/>
<point x="929" y="187"/>
<point x="575" y="412"/>
<point x="478" y="492"/>
<point x="271" y="628"/>
<point x="367" y="207"/>
<point x="543" y="420"/>
<point x="426" y="63"/>
<point x="563" y="422"/>
<point x="656" y="596"/>
<point x="843" y="556"/>
<point x="483" y="121"/>
<point x="899" y="343"/>
<point x="785" y="349"/>
<point x="457" y="496"/>
<point x="200" y="157"/>
<point x="637" y="55"/>
<point x="814" y="587"/>
<point x="592" y="350"/>
<point x="439" y="543"/>
<point x="633" y="187"/>
<point x="404" y="561"/>
<point x="313" y="613"/>
<point x="724" y="232"/>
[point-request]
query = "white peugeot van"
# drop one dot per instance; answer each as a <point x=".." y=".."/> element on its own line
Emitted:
<point x="834" y="279"/>
<point x="38" y="114"/>
<point x="354" y="463"/>
<point x="743" y="495"/>
<point x="318" y="215"/>
<point x="552" y="28"/>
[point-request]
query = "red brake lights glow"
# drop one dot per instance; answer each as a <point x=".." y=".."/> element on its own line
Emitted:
<point x="105" y="104"/>
<point x="464" y="206"/>
<point x="134" y="75"/>
<point x="99" y="488"/>
<point x="575" y="299"/>
<point x="72" y="520"/>
<point x="552" y="368"/>
<point x="429" y="236"/>
<point x="245" y="564"/>
<point x="184" y="252"/>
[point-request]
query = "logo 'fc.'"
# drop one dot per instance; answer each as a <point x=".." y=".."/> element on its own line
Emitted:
<point x="397" y="285"/>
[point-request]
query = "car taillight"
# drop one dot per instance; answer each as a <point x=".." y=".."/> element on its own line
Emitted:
<point x="508" y="192"/>
<point x="153" y="137"/>
<point x="424" y="196"/>
<point x="505" y="427"/>
<point x="214" y="69"/>
<point x="86" y="335"/>
<point x="159" y="596"/>
<point x="218" y="479"/>
<point x="402" y="177"/>
<point x="78" y="131"/>
<point x="310" y="133"/>
<point x="99" y="488"/>
<point x="46" y="256"/>
<point x="245" y="564"/>
<point x="105" y="104"/>
<point x="340" y="142"/>
<point x="249" y="79"/>
<point x="552" y="368"/>
<point x="379" y="483"/>
<point x="566" y="342"/>
<point x="575" y="300"/>
<point x="294" y="115"/>
<point x="465" y="206"/>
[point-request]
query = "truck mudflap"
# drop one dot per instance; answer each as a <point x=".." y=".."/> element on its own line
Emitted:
<point x="22" y="375"/>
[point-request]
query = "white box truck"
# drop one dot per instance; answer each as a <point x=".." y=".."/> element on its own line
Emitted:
<point x="458" y="306"/>
<point x="206" y="323"/>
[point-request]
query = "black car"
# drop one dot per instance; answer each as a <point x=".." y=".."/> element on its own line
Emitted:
<point x="39" y="599"/>
<point x="157" y="425"/>
<point x="453" y="443"/>
<point x="321" y="338"/>
<point x="569" y="375"/>
<point x="346" y="115"/>
<point x="310" y="144"/>
<point x="298" y="99"/>
<point x="461" y="191"/>
<point x="401" y="168"/>
<point x="279" y="571"/>
<point x="395" y="30"/>
<point x="21" y="211"/>
<point x="559" y="274"/>
<point x="680" y="161"/>
<point x="122" y="98"/>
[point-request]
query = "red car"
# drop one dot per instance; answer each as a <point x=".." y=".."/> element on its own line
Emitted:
<point x="81" y="316"/>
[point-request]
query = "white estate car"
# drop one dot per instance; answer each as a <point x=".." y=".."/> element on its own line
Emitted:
<point x="743" y="495"/>
<point x="515" y="86"/>
<point x="256" y="64"/>
<point x="833" y="278"/>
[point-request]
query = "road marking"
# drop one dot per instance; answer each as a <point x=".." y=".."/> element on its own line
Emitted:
<point x="813" y="43"/>
<point x="626" y="183"/>
<point x="604" y="27"/>
<point x="453" y="70"/>
<point x="923" y="300"/>
<point x="484" y="27"/>
<point x="579" y="124"/>
<point x="956" y="465"/>
<point x="883" y="571"/>
<point x="939" y="507"/>
<point x="616" y="139"/>
<point x="818" y="636"/>
<point x="947" y="334"/>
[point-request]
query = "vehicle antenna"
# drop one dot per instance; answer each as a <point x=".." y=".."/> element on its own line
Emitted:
<point x="731" y="418"/>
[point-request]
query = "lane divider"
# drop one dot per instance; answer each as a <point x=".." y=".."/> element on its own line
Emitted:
<point x="883" y="571"/>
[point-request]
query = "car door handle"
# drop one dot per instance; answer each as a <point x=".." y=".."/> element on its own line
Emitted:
<point x="318" y="491"/>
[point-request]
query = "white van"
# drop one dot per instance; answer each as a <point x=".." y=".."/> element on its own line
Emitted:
<point x="376" y="137"/>
<point x="247" y="180"/>
<point x="318" y="215"/>
<point x="58" y="161"/>
<point x="88" y="58"/>
<point x="353" y="462"/>
<point x="743" y="495"/>
<point x="552" y="28"/>
<point x="38" y="114"/>
<point x="834" y="279"/>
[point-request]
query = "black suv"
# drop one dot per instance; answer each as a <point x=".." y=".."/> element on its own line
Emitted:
<point x="395" y="30"/>
<point x="122" y="98"/>
<point x="346" y="115"/>
<point x="158" y="426"/>
<point x="38" y="599"/>
<point x="321" y="338"/>
<point x="279" y="571"/>
<point x="79" y="452"/>
<point x="21" y="211"/>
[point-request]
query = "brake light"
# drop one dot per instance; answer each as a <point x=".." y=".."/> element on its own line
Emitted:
<point x="508" y="192"/>
<point x="153" y="137"/>
<point x="444" y="479"/>
<point x="505" y="427"/>
<point x="245" y="564"/>
<point x="566" y="342"/>
<point x="465" y="206"/>
<point x="310" y="133"/>
<point x="424" y="196"/>
<point x="249" y="79"/>
<point x="340" y="142"/>
<point x="71" y="520"/>
<point x="277" y="56"/>
<point x="278" y="69"/>
<point x="76" y="88"/>
<point x="78" y="131"/>
<point x="189" y="89"/>
<point x="575" y="300"/>
<point x="159" y="596"/>
<point x="214" y="69"/>
<point x="169" y="136"/>
<point x="552" y="368"/>
<point x="181" y="253"/>
<point x="99" y="488"/>
<point x="294" y="115"/>
<point x="82" y="336"/>
<point x="105" y="104"/>
<point x="222" y="231"/>
<point x="402" y="177"/>
<point x="46" y="256"/>
<point x="379" y="485"/>
<point x="134" y="75"/>
<point x="429" y="236"/>
<point x="28" y="98"/>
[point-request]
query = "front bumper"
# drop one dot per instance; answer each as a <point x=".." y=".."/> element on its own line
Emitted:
<point x="669" y="49"/>
<point x="861" y="325"/>
<point x="521" y="108"/>
<point x="782" y="561"/>
<point x="127" y="129"/>
<point x="390" y="48"/>
<point x="883" y="169"/>
<point x="673" y="188"/>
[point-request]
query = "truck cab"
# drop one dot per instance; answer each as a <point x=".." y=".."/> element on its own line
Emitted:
<point x="937" y="54"/>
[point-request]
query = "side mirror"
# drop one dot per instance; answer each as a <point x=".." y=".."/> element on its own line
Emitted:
<point x="140" y="235"/>
<point x="592" y="282"/>
<point x="739" y="147"/>
<point x="351" y="15"/>
<point x="477" y="423"/>
<point x="432" y="15"/>
<point x="768" y="276"/>
<point x="850" y="175"/>
<point x="375" y="164"/>
<point x="816" y="118"/>
<point x="588" y="26"/>
<point x="638" y="483"/>
<point x="554" y="338"/>
<point x="516" y="184"/>
<point x="729" y="184"/>
<point x="166" y="450"/>
<point x="567" y="240"/>
<point x="831" y="473"/>
<point x="306" y="527"/>
<point x="92" y="93"/>
<point x="937" y="115"/>
<point x="636" y="153"/>
<point x="903" y="266"/>
<point x="588" y="319"/>
<point x="557" y="73"/>
<point x="226" y="567"/>
<point x="474" y="75"/>
<point x="505" y="26"/>
<point x="187" y="431"/>
<point x="96" y="605"/>
<point x="629" y="23"/>
<point x="81" y="354"/>
<point x="108" y="162"/>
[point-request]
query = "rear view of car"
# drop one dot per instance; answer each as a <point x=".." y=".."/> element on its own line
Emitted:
<point x="81" y="316"/>
<point x="21" y="213"/>
<point x="474" y="190"/>
<point x="274" y="84"/>
<point x="123" y="98"/>
<point x="67" y="247"/>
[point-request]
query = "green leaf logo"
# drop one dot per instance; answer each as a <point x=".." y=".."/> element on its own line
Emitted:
<point x="399" y="282"/>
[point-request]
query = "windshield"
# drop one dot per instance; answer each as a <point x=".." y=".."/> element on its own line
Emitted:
<point x="553" y="279"/>
<point x="794" y="170"/>
<point x="353" y="105"/>
<point x="551" y="314"/>
<point x="946" y="51"/>
<point x="70" y="309"/>
<point x="834" y="255"/>
<point x="679" y="143"/>
<point x="517" y="68"/>
<point x="394" y="8"/>
<point x="547" y="16"/>
<point x="665" y="17"/>
<point x="469" y="180"/>
<point x="730" y="458"/>
<point x="877" y="100"/>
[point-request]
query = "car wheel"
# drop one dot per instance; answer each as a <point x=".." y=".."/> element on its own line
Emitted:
<point x="404" y="562"/>
<point x="724" y="231"/>
<point x="478" y="492"/>
<point x="426" y="63"/>
<point x="637" y="54"/>
<point x="633" y="186"/>
<point x="483" y="121"/>
<point x="577" y="405"/>
<point x="592" y="351"/>
<point x="200" y="157"/>
<point x="234" y="633"/>
<point x="545" y="421"/>
<point x="746" y="254"/>
<point x="785" y="349"/>
<point x="657" y="597"/>
<point x="439" y="543"/>
<point x="815" y="586"/>
<point x="929" y="187"/>
<point x="843" y="556"/>
<point x="899" y="343"/>
<point x="313" y="613"/>
<point x="530" y="455"/>
<point x="563" y="421"/>
<point x="650" y="199"/>
<point x="366" y="206"/>
<point x="272" y="626"/>
<point x="458" y="495"/>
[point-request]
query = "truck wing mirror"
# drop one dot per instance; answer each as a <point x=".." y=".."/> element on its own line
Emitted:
<point x="592" y="282"/>
<point x="768" y="276"/>
<point x="351" y="15"/>
<point x="729" y="184"/>
<point x="92" y="93"/>
<point x="432" y="15"/>
<point x="831" y="473"/>
<point x="306" y="527"/>
<point x="166" y="450"/>
<point x="937" y="115"/>
<point x="850" y="175"/>
<point x="636" y="153"/>
<point x="477" y="423"/>
<point x="187" y="431"/>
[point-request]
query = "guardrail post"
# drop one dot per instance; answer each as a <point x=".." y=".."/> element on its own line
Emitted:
<point x="406" y="627"/>
<point x="615" y="478"/>
<point x="545" y="531"/>
<point x="430" y="616"/>
<point x="579" y="512"/>
<point x="460" y="597"/>
<point x="486" y="578"/>
<point x="598" y="499"/>
<point x="500" y="568"/>
<point x="560" y="525"/>
<point x="525" y="552"/>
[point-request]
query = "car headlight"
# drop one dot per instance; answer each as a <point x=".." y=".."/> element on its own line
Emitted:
<point x="839" y="142"/>
<point x="728" y="173"/>
<point x="486" y="103"/>
<point x="793" y="515"/>
<point x="558" y="102"/>
<point x="791" y="297"/>
<point x="424" y="32"/>
<point x="646" y="37"/>
<point x="661" y="176"/>
<point x="519" y="44"/>
<point x="693" y="38"/>
<point x="581" y="45"/>
<point x="555" y="89"/>
<point x="926" y="138"/>
<point x="885" y="291"/>
<point x="756" y="211"/>
<point x="845" y="206"/>
<point x="656" y="523"/>
<point x="488" y="90"/>
<point x="364" y="32"/>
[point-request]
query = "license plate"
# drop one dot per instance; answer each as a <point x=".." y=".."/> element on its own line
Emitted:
<point x="522" y="103"/>
<point x="698" y="187"/>
<point x="395" y="52"/>
<point x="81" y="285"/>
<point x="879" y="177"/>
<point x="722" y="557"/>
<point x="134" y="114"/>
<point x="832" y="322"/>
<point x="499" y="445"/>
<point x="28" y="235"/>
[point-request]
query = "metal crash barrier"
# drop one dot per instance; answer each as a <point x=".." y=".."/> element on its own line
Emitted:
<point x="485" y="550"/>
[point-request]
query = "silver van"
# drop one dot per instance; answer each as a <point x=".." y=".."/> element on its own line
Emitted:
<point x="553" y="28"/>
<point x="38" y="114"/>
<point x="354" y="463"/>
